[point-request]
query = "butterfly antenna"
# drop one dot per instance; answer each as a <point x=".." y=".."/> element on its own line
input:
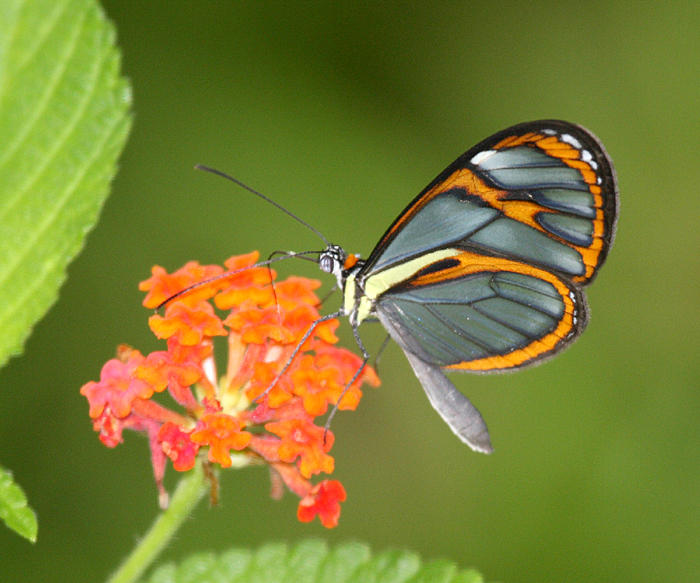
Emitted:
<point x="265" y="198"/>
<point x="298" y="255"/>
<point x="227" y="274"/>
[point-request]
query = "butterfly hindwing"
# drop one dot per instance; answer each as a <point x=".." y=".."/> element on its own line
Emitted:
<point x="475" y="313"/>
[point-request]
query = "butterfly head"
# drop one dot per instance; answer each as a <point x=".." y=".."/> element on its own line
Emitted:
<point x="332" y="260"/>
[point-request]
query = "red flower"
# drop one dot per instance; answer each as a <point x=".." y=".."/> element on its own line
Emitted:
<point x="178" y="446"/>
<point x="118" y="387"/>
<point x="323" y="500"/>
<point x="248" y="415"/>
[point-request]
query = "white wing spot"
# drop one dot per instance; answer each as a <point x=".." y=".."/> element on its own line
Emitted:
<point x="569" y="139"/>
<point x="481" y="156"/>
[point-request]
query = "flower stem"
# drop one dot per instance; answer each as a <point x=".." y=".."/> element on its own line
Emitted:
<point x="188" y="493"/>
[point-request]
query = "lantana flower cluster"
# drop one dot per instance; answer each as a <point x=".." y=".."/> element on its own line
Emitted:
<point x="232" y="420"/>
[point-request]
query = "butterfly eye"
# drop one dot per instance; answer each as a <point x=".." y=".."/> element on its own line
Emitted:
<point x="326" y="263"/>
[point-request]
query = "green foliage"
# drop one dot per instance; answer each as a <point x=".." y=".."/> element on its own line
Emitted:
<point x="312" y="562"/>
<point x="13" y="507"/>
<point x="64" y="117"/>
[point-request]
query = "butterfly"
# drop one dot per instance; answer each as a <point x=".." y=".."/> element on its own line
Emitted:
<point x="484" y="270"/>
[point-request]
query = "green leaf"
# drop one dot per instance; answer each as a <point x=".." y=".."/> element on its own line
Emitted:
<point x="64" y="117"/>
<point x="13" y="507"/>
<point x="312" y="562"/>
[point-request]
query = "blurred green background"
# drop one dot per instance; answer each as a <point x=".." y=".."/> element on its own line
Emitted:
<point x="343" y="113"/>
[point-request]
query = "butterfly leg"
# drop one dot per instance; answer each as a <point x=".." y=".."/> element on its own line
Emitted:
<point x="380" y="352"/>
<point x="279" y="255"/>
<point x="365" y="360"/>
<point x="296" y="351"/>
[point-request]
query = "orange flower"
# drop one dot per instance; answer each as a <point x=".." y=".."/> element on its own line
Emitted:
<point x="304" y="440"/>
<point x="258" y="325"/>
<point x="161" y="371"/>
<point x="297" y="290"/>
<point x="250" y="286"/>
<point x="249" y="414"/>
<point x="265" y="374"/>
<point x="222" y="433"/>
<point x="318" y="386"/>
<point x="189" y="325"/>
<point x="161" y="285"/>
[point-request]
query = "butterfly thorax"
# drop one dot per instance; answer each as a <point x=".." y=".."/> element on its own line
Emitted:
<point x="345" y="267"/>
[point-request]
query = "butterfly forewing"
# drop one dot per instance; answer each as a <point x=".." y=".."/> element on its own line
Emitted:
<point x="542" y="192"/>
